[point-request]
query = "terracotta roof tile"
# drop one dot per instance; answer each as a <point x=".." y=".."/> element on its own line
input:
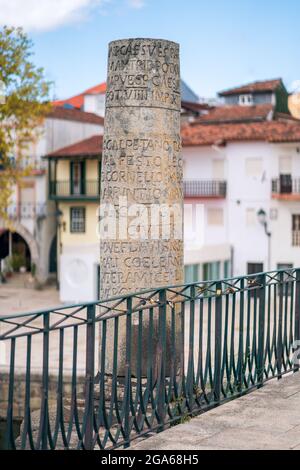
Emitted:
<point x="195" y="107"/>
<point x="59" y="112"/>
<point x="91" y="147"/>
<point x="218" y="134"/>
<point x="77" y="100"/>
<point x="237" y="113"/>
<point x="258" y="86"/>
<point x="200" y="134"/>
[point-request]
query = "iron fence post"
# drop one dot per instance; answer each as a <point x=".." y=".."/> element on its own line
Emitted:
<point x="279" y="333"/>
<point x="9" y="436"/>
<point x="297" y="317"/>
<point x="161" y="358"/>
<point x="127" y="385"/>
<point x="44" y="416"/>
<point x="240" y="368"/>
<point x="89" y="379"/>
<point x="218" y="343"/>
<point x="190" y="370"/>
<point x="261" y="330"/>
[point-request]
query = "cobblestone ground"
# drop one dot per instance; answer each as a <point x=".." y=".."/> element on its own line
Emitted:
<point x="268" y="418"/>
<point x="17" y="296"/>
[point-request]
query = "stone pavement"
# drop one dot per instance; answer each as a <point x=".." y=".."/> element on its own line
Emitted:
<point x="268" y="418"/>
<point x="17" y="297"/>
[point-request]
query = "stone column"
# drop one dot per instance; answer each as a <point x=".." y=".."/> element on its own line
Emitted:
<point x="142" y="164"/>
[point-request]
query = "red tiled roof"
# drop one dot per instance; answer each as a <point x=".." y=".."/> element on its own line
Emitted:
<point x="75" y="115"/>
<point x="278" y="116"/>
<point x="195" y="107"/>
<point x="202" y="134"/>
<point x="258" y="86"/>
<point x="91" y="147"/>
<point x="77" y="100"/>
<point x="236" y="113"/>
<point x="219" y="134"/>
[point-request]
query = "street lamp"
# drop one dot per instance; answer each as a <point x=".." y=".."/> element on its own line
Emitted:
<point x="262" y="218"/>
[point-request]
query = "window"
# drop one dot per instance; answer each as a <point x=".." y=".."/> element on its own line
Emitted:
<point x="245" y="100"/>
<point x="215" y="216"/>
<point x="218" y="169"/>
<point x="287" y="286"/>
<point x="273" y="213"/>
<point x="251" y="217"/>
<point x="226" y="269"/>
<point x="77" y="178"/>
<point x="254" y="167"/>
<point x="211" y="271"/>
<point x="284" y="266"/>
<point x="77" y="222"/>
<point x="296" y="230"/>
<point x="191" y="273"/>
<point x="285" y="165"/>
<point x="254" y="268"/>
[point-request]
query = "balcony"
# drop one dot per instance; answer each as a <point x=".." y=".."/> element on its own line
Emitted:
<point x="66" y="190"/>
<point x="286" y="188"/>
<point x="90" y="190"/>
<point x="215" y="189"/>
<point x="27" y="210"/>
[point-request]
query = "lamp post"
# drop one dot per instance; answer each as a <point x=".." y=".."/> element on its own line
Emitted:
<point x="262" y="218"/>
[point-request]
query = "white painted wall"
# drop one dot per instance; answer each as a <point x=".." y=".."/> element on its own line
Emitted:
<point x="95" y="104"/>
<point x="60" y="133"/>
<point x="78" y="276"/>
<point x="247" y="193"/>
<point x="54" y="134"/>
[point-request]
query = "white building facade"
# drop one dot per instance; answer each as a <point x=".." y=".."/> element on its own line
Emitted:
<point x="231" y="225"/>
<point x="244" y="158"/>
<point x="241" y="190"/>
<point x="33" y="230"/>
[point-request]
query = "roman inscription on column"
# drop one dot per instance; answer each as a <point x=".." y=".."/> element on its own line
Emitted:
<point x="141" y="180"/>
<point x="141" y="162"/>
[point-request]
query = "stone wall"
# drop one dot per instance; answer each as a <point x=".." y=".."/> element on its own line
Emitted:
<point x="35" y="392"/>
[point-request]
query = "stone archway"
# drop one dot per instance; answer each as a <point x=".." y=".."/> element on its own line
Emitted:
<point x="31" y="242"/>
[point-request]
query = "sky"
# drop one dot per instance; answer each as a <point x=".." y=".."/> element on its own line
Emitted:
<point x="223" y="43"/>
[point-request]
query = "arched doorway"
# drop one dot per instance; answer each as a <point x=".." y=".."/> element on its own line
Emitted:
<point x="53" y="256"/>
<point x="15" y="249"/>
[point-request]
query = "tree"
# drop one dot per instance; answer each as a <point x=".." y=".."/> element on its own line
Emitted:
<point x="24" y="102"/>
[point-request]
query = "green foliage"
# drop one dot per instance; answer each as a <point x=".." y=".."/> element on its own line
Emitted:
<point x="25" y="104"/>
<point x="33" y="269"/>
<point x="16" y="261"/>
<point x="183" y="416"/>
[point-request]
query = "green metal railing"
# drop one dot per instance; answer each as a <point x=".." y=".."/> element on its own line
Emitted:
<point x="65" y="189"/>
<point x="109" y="372"/>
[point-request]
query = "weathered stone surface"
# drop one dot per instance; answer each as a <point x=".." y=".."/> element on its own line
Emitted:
<point x="141" y="160"/>
<point x="142" y="164"/>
